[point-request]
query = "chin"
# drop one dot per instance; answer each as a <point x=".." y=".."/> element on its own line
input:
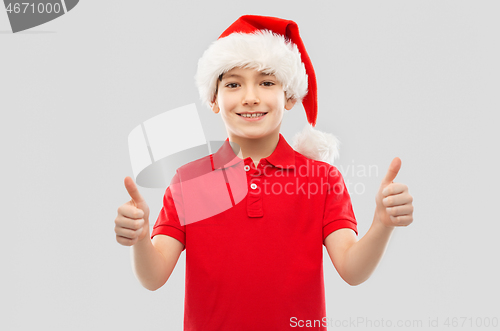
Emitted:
<point x="256" y="134"/>
<point x="253" y="136"/>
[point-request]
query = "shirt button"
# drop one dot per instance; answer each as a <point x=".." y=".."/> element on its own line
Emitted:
<point x="253" y="186"/>
<point x="246" y="167"/>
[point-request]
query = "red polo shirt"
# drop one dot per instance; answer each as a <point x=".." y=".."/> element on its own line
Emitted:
<point x="254" y="247"/>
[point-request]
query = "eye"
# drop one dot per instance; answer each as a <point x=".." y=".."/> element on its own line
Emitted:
<point x="271" y="83"/>
<point x="228" y="85"/>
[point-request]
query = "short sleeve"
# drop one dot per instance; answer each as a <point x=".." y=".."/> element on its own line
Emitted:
<point x="168" y="222"/>
<point x="338" y="212"/>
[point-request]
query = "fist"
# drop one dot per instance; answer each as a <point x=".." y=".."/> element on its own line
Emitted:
<point x="394" y="203"/>
<point x="132" y="222"/>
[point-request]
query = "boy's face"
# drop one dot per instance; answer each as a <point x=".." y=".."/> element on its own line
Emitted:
<point x="250" y="91"/>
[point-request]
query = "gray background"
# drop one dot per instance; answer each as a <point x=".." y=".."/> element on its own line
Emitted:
<point x="414" y="79"/>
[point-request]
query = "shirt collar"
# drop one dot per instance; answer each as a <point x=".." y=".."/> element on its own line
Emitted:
<point x="283" y="155"/>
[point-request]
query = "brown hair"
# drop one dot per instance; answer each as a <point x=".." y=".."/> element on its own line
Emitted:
<point x="217" y="86"/>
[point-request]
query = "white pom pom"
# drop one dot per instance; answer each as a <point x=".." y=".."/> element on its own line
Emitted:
<point x="316" y="145"/>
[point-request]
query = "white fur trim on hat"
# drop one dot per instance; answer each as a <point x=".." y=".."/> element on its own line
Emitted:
<point x="262" y="50"/>
<point x="316" y="145"/>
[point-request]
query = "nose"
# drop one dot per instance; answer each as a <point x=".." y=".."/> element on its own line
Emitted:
<point x="250" y="97"/>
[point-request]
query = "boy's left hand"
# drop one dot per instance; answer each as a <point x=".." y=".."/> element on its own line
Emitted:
<point x="394" y="203"/>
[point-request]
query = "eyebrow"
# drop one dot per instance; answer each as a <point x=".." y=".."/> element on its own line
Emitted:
<point x="236" y="75"/>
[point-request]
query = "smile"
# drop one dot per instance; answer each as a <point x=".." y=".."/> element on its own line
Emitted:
<point x="254" y="115"/>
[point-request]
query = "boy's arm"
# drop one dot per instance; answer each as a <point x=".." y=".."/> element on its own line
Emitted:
<point x="356" y="260"/>
<point x="154" y="260"/>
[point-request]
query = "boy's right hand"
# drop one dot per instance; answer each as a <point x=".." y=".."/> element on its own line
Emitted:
<point x="132" y="222"/>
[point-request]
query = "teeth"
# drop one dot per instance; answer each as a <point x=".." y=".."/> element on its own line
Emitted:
<point x="252" y="115"/>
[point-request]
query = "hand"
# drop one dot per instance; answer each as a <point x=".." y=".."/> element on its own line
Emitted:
<point x="394" y="203"/>
<point x="132" y="222"/>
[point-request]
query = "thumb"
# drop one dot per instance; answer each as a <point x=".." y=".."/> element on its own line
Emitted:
<point x="392" y="172"/>
<point x="132" y="190"/>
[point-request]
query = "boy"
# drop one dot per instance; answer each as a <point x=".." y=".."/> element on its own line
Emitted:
<point x="257" y="265"/>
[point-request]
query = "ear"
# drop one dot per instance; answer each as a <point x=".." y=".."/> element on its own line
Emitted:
<point x="215" y="106"/>
<point x="290" y="103"/>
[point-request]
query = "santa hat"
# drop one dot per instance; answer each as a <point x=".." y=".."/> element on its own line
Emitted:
<point x="271" y="45"/>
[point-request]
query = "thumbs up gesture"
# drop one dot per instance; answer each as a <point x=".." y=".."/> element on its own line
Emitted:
<point x="394" y="203"/>
<point x="132" y="222"/>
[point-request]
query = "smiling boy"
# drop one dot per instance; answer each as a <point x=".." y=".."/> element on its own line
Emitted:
<point x="247" y="92"/>
<point x="258" y="265"/>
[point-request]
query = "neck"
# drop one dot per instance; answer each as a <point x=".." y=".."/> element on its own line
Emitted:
<point x="255" y="148"/>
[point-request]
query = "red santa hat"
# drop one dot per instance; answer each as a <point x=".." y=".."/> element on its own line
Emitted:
<point x="271" y="45"/>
